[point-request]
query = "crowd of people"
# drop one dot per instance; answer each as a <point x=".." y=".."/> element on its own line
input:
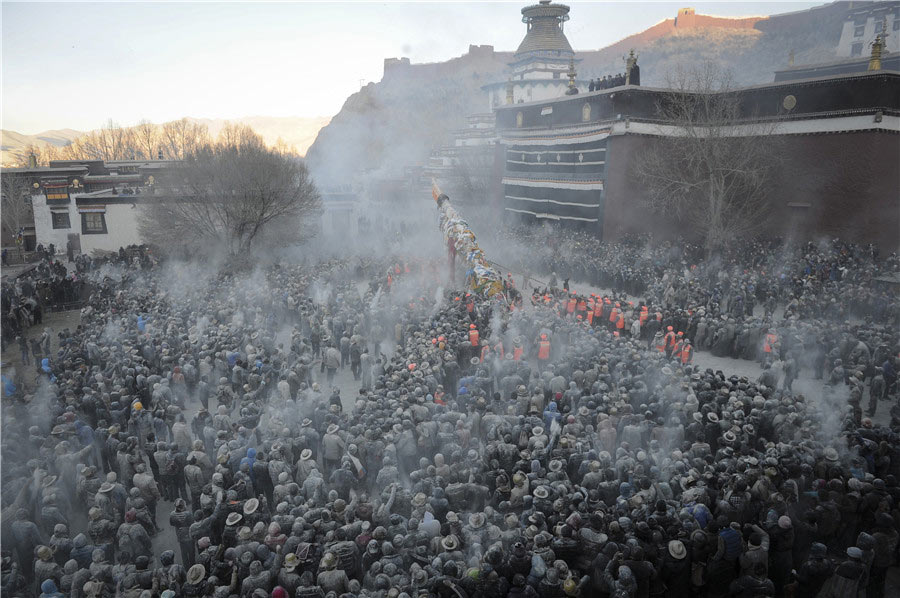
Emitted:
<point x="566" y="447"/>
<point x="52" y="285"/>
<point x="607" y="82"/>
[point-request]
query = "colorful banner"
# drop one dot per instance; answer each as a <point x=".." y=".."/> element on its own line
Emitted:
<point x="481" y="278"/>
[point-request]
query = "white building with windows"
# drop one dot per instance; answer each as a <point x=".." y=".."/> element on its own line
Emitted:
<point x="864" y="23"/>
<point x="540" y="67"/>
<point x="89" y="221"/>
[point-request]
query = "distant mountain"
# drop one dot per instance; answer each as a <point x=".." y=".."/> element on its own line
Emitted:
<point x="13" y="144"/>
<point x="396" y="122"/>
<point x="295" y="131"/>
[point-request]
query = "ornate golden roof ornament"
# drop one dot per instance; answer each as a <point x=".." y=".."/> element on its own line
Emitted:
<point x="572" y="89"/>
<point x="878" y="48"/>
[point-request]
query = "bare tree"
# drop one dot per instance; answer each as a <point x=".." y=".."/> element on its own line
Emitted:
<point x="710" y="164"/>
<point x="146" y="139"/>
<point x="16" y="196"/>
<point x="235" y="195"/>
<point x="42" y="153"/>
<point x="183" y="137"/>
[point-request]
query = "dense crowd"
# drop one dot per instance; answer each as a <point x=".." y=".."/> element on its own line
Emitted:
<point x="568" y="447"/>
<point x="51" y="285"/>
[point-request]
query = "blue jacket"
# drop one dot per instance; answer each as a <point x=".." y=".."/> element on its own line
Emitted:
<point x="551" y="415"/>
<point x="48" y="590"/>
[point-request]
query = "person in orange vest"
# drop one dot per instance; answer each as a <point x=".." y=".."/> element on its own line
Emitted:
<point x="769" y="346"/>
<point x="473" y="335"/>
<point x="485" y="350"/>
<point x="659" y="342"/>
<point x="687" y="352"/>
<point x="470" y="306"/>
<point x="590" y="317"/>
<point x="679" y="343"/>
<point x="598" y="310"/>
<point x="543" y="349"/>
<point x="670" y="341"/>
<point x="518" y="351"/>
<point x="570" y="305"/>
<point x="613" y="316"/>
<point x="620" y="322"/>
<point x="644" y="315"/>
<point x="581" y="306"/>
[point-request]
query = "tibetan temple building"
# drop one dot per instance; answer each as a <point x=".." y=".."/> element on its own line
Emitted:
<point x="571" y="159"/>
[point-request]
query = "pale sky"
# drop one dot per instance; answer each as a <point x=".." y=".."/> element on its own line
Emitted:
<point x="75" y="65"/>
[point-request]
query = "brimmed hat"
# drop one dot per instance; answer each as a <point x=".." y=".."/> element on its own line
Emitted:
<point x="477" y="520"/>
<point x="306" y="422"/>
<point x="729" y="436"/>
<point x="306" y="454"/>
<point x="711" y="416"/>
<point x="291" y="561"/>
<point x="49" y="480"/>
<point x="677" y="549"/>
<point x="450" y="543"/>
<point x="251" y="505"/>
<point x="698" y="417"/>
<point x="419" y="499"/>
<point x="784" y="522"/>
<point x="196" y="573"/>
<point x="452" y="517"/>
<point x="831" y="454"/>
<point x="233" y="518"/>
<point x="555" y="465"/>
<point x="541" y="492"/>
<point x="332" y="429"/>
<point x="105" y="487"/>
<point x="537" y="431"/>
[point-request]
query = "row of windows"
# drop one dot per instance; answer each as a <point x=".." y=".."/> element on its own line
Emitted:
<point x="860" y="30"/>
<point x="92" y="223"/>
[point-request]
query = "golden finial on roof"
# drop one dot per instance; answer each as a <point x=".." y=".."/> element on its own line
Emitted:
<point x="877" y="49"/>
<point x="572" y="89"/>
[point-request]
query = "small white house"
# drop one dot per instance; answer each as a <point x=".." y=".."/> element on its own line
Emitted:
<point x="89" y="221"/>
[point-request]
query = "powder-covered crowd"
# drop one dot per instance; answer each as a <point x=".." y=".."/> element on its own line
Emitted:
<point x="489" y="452"/>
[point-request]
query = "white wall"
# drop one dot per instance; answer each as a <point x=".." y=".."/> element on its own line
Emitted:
<point x="534" y="91"/>
<point x="43" y="224"/>
<point x="121" y="226"/>
<point x="848" y="37"/>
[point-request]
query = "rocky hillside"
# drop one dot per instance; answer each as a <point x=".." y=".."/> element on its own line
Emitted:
<point x="396" y="122"/>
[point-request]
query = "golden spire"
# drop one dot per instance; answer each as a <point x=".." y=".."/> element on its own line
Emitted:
<point x="878" y="48"/>
<point x="572" y="89"/>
